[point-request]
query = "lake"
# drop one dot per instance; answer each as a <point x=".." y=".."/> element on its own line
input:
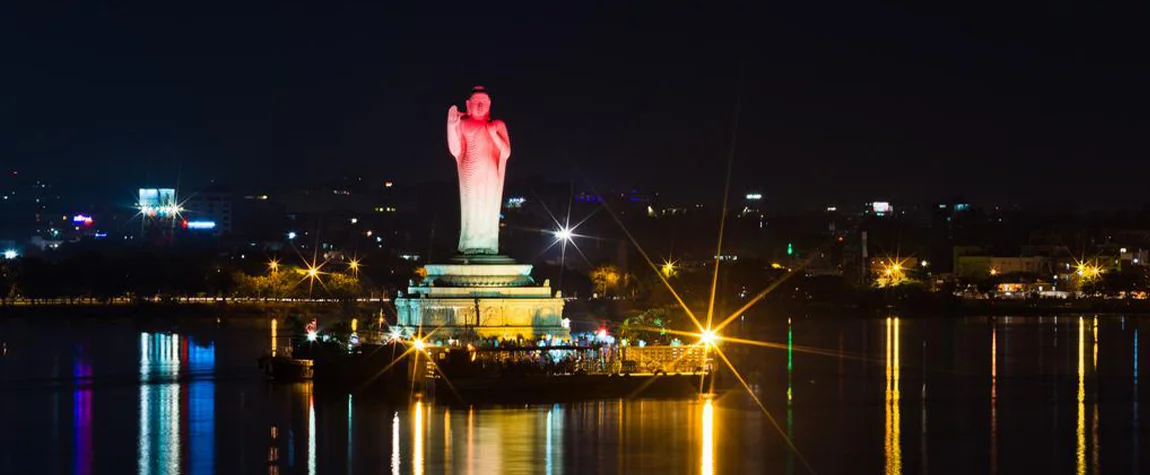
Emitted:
<point x="851" y="395"/>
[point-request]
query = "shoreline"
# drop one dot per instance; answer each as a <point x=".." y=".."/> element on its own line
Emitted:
<point x="229" y="310"/>
<point x="259" y="310"/>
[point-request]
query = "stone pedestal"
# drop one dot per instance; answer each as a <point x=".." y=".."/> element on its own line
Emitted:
<point x="486" y="296"/>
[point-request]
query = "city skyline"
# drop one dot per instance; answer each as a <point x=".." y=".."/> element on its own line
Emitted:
<point x="898" y="103"/>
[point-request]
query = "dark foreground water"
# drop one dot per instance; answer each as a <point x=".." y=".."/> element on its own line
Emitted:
<point x="1006" y="395"/>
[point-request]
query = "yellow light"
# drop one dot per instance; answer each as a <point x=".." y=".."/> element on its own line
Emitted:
<point x="668" y="268"/>
<point x="897" y="267"/>
<point x="313" y="272"/>
<point x="708" y="338"/>
<point x="708" y="449"/>
<point x="993" y="271"/>
<point x="274" y="265"/>
<point x="354" y="325"/>
<point x="419" y="344"/>
<point x="354" y="264"/>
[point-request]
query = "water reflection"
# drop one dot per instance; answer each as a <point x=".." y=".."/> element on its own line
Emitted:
<point x="1080" y="432"/>
<point x="893" y="439"/>
<point x="790" y="469"/>
<point x="82" y="414"/>
<point x="1095" y="446"/>
<point x="395" y="460"/>
<point x="164" y="359"/>
<point x="184" y="420"/>
<point x="708" y="436"/>
<point x="311" y="464"/>
<point x="994" y="399"/>
<point x="417" y="439"/>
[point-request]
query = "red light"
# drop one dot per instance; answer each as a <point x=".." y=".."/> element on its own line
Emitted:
<point x="184" y="224"/>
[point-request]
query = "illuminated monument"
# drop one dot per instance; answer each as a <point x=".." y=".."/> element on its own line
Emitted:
<point x="480" y="292"/>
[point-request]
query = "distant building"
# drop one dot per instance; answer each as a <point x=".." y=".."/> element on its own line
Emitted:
<point x="159" y="212"/>
<point x="980" y="267"/>
<point x="210" y="210"/>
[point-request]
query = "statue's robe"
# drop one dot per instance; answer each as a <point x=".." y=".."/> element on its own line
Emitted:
<point x="481" y="166"/>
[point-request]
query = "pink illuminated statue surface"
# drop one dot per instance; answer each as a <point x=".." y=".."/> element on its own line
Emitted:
<point x="481" y="147"/>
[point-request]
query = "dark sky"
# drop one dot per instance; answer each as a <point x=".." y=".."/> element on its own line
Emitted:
<point x="1003" y="101"/>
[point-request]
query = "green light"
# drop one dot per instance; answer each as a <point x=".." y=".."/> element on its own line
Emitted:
<point x="790" y="249"/>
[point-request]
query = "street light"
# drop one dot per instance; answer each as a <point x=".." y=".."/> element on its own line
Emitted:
<point x="708" y="338"/>
<point x="563" y="234"/>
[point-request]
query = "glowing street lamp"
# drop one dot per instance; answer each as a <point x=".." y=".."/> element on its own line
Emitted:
<point x="353" y="265"/>
<point x="668" y="268"/>
<point x="10" y="254"/>
<point x="709" y="338"/>
<point x="563" y="234"/>
<point x="313" y="272"/>
<point x="274" y="265"/>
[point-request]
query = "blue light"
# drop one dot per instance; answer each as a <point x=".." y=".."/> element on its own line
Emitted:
<point x="201" y="224"/>
<point x="11" y="254"/>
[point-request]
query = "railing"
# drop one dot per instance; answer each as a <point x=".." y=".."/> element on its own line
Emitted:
<point x="666" y="359"/>
<point x="573" y="360"/>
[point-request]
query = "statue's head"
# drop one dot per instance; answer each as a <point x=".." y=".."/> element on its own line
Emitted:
<point x="479" y="103"/>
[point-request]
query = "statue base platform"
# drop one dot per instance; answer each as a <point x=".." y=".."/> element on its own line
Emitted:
<point x="481" y="296"/>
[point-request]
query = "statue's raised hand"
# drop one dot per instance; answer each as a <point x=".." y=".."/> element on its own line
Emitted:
<point x="453" y="116"/>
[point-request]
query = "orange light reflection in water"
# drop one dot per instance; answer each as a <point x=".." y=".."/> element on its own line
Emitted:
<point x="417" y="439"/>
<point x="1080" y="432"/>
<point x="708" y="449"/>
<point x="994" y="401"/>
<point x="893" y="440"/>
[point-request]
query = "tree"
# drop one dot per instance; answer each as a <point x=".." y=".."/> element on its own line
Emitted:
<point x="343" y="287"/>
<point x="1112" y="284"/>
<point x="605" y="278"/>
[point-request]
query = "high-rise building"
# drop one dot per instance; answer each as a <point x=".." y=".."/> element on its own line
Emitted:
<point x="209" y="210"/>
<point x="159" y="212"/>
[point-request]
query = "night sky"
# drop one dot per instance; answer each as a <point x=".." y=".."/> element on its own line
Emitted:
<point x="1012" y="102"/>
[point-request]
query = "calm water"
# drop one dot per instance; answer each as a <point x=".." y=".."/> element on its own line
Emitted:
<point x="1007" y="395"/>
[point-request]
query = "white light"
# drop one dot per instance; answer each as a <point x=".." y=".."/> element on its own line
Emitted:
<point x="10" y="254"/>
<point x="754" y="196"/>
<point x="563" y="234"/>
<point x="291" y="235"/>
<point x="708" y="337"/>
<point x="312" y="335"/>
<point x="201" y="224"/>
<point x="354" y="220"/>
